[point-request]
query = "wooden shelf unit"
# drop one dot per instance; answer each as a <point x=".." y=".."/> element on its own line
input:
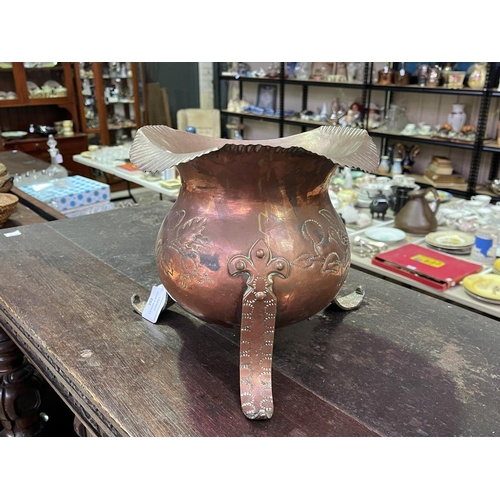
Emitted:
<point x="94" y="82"/>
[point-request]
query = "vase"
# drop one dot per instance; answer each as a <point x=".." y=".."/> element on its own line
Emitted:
<point x="253" y="239"/>
<point x="397" y="167"/>
<point x="457" y="117"/>
<point x="384" y="166"/>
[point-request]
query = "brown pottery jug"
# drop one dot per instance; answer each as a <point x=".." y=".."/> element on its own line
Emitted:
<point x="253" y="239"/>
<point x="417" y="217"/>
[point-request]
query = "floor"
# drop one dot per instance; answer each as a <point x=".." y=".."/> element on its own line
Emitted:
<point x="141" y="195"/>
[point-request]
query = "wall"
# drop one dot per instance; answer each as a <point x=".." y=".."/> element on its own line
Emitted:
<point x="180" y="79"/>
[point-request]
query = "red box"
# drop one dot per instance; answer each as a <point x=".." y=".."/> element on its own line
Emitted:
<point x="426" y="266"/>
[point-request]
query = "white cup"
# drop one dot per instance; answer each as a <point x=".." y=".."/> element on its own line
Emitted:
<point x="425" y="129"/>
<point x="474" y="204"/>
<point x="483" y="198"/>
<point x="383" y="181"/>
<point x="484" y="212"/>
<point x="372" y="190"/>
<point x="409" y="129"/>
<point x="398" y="179"/>
<point x="408" y="181"/>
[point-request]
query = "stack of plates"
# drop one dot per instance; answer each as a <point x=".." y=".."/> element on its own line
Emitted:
<point x="452" y="242"/>
<point x="485" y="287"/>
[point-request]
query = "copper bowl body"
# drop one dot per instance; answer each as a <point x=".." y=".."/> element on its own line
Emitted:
<point x="236" y="196"/>
<point x="253" y="239"/>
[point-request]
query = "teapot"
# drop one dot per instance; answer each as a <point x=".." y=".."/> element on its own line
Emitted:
<point x="417" y="216"/>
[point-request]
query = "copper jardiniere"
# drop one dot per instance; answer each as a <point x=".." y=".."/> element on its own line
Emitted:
<point x="253" y="239"/>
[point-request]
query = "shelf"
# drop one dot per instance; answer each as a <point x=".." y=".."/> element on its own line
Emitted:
<point x="491" y="145"/>
<point x="422" y="181"/>
<point x="251" y="116"/>
<point x="292" y="81"/>
<point x="57" y="67"/>
<point x="301" y="123"/>
<point x="435" y="141"/>
<point x="120" y="102"/>
<point x="323" y="83"/>
<point x="250" y="79"/>
<point x="113" y="127"/>
<point x="426" y="90"/>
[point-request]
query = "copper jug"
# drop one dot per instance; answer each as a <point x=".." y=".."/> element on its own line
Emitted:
<point x="417" y="216"/>
<point x="253" y="239"/>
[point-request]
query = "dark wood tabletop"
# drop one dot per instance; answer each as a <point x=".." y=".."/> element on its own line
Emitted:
<point x="403" y="364"/>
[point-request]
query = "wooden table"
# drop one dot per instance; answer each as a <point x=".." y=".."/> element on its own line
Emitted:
<point x="403" y="364"/>
<point x="455" y="294"/>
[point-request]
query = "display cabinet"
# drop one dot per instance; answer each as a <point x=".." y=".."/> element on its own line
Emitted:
<point x="111" y="100"/>
<point x="477" y="158"/>
<point x="35" y="99"/>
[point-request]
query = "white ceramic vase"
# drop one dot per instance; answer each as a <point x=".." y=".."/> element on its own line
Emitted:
<point x="384" y="167"/>
<point x="397" y="167"/>
<point x="457" y="117"/>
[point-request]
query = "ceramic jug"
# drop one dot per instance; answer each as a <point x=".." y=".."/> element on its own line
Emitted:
<point x="253" y="239"/>
<point x="417" y="216"/>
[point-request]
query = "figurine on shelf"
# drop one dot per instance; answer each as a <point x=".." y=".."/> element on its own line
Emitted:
<point x="273" y="71"/>
<point x="408" y="153"/>
<point x="402" y="76"/>
<point x="385" y="76"/>
<point x="337" y="112"/>
<point x="303" y="70"/>
<point x="290" y="70"/>
<point x="477" y="76"/>
<point x="354" y="116"/>
<point x="374" y="116"/>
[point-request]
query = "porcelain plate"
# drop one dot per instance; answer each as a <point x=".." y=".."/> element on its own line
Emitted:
<point x="385" y="234"/>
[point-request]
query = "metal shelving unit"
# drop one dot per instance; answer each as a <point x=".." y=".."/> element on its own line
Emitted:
<point x="478" y="147"/>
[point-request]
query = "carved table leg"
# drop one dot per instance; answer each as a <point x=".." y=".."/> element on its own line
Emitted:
<point x="20" y="392"/>
<point x="79" y="428"/>
<point x="258" y="320"/>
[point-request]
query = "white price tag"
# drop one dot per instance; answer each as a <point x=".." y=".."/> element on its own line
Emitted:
<point x="14" y="233"/>
<point x="59" y="158"/>
<point x="155" y="303"/>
